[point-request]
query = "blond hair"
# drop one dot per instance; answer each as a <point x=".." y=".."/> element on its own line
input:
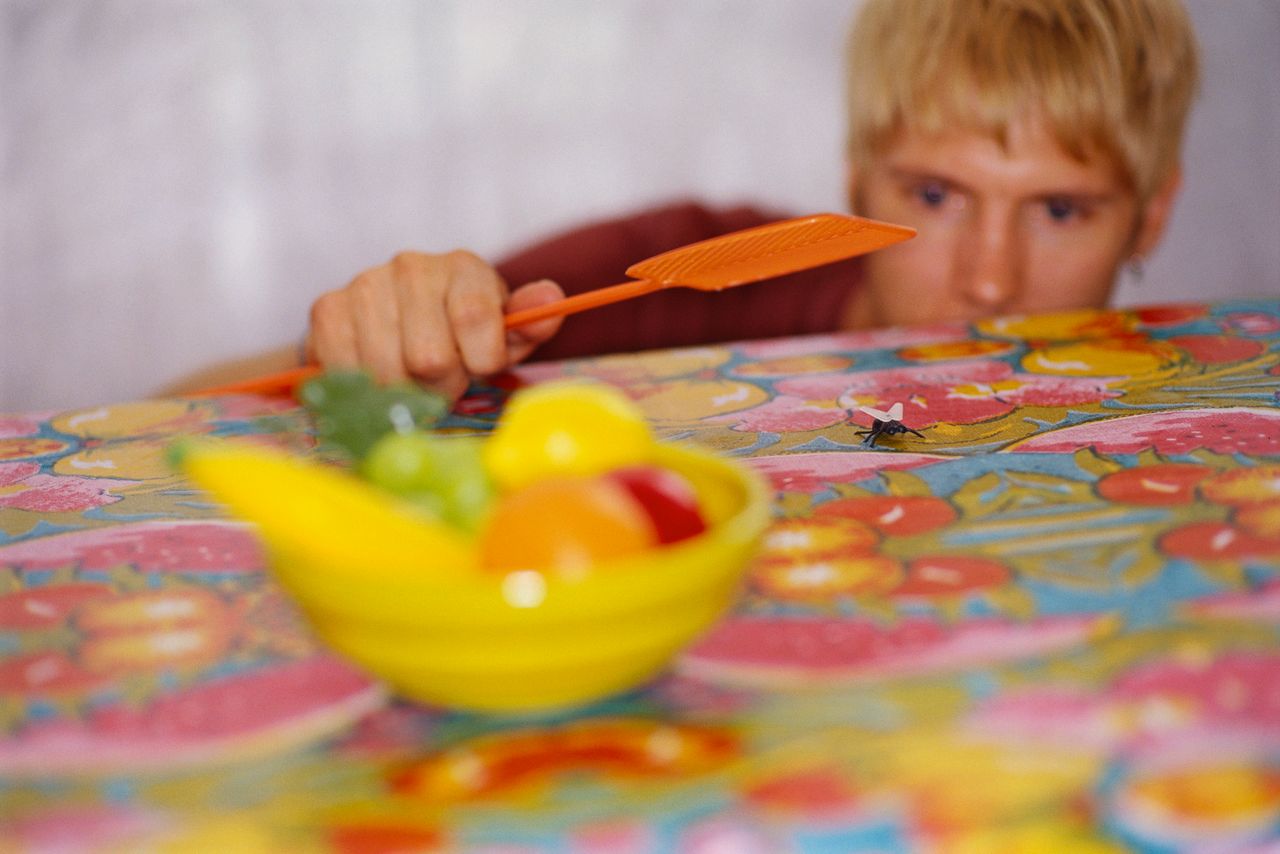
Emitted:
<point x="1110" y="77"/>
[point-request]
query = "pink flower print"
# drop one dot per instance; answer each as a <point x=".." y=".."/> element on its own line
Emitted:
<point x="953" y="392"/>
<point x="388" y="732"/>
<point x="11" y="473"/>
<point x="17" y="426"/>
<point x="724" y="833"/>
<point x="1063" y="715"/>
<point x="269" y="709"/>
<point x="814" y="472"/>
<point x="22" y="487"/>
<point x="775" y="651"/>
<point x="1262" y="604"/>
<point x="1252" y="322"/>
<point x="1236" y="690"/>
<point x="788" y="414"/>
<point x="1229" y="430"/>
<point x="152" y="546"/>
<point x="83" y="827"/>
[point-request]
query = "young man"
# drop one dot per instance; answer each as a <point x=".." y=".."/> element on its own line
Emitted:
<point x="1034" y="144"/>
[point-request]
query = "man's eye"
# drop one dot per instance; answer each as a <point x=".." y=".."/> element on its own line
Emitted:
<point x="932" y="194"/>
<point x="1062" y="210"/>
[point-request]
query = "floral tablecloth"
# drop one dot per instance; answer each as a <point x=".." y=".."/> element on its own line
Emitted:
<point x="1051" y="624"/>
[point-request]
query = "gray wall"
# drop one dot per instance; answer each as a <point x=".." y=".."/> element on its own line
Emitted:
<point x="181" y="178"/>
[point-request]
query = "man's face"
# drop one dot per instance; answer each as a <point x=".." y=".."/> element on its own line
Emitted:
<point x="1026" y="229"/>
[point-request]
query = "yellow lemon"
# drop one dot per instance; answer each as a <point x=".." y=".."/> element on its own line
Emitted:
<point x="567" y="427"/>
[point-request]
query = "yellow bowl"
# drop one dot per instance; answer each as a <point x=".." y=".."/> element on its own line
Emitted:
<point x="534" y="641"/>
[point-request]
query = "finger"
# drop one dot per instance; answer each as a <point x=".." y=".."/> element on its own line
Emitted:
<point x="428" y="348"/>
<point x="474" y="305"/>
<point x="331" y="339"/>
<point x="376" y="317"/>
<point x="522" y="340"/>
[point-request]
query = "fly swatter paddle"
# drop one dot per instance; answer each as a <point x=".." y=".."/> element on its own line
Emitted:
<point x="737" y="258"/>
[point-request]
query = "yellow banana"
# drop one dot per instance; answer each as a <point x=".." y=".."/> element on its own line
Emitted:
<point x="320" y="514"/>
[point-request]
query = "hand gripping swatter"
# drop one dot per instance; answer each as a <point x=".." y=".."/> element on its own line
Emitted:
<point x="737" y="258"/>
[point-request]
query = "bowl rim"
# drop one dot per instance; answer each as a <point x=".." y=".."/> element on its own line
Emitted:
<point x="686" y="567"/>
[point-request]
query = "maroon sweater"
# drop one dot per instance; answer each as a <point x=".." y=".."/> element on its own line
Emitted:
<point x="598" y="255"/>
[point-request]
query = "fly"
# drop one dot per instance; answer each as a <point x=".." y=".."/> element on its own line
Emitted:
<point x="884" y="424"/>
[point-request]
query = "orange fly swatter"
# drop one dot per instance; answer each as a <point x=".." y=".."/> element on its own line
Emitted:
<point x="737" y="258"/>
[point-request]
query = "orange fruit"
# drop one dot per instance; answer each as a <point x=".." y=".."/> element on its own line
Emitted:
<point x="564" y="524"/>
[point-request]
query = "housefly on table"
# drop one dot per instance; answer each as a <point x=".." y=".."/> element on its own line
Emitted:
<point x="884" y="424"/>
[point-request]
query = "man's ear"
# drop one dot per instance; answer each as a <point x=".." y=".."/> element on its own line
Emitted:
<point x="1155" y="217"/>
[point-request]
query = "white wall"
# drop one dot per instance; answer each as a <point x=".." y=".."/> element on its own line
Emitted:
<point x="181" y="178"/>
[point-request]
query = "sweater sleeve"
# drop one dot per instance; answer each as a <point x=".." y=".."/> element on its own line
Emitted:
<point x="598" y="255"/>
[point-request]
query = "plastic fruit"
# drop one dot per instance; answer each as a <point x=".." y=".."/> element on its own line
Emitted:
<point x="564" y="524"/>
<point x="667" y="497"/>
<point x="566" y="428"/>
<point x="446" y="476"/>
<point x="540" y="640"/>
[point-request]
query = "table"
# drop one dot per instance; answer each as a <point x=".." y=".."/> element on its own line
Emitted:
<point x="1050" y="624"/>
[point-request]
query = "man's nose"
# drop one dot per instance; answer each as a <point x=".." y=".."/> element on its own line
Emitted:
<point x="992" y="277"/>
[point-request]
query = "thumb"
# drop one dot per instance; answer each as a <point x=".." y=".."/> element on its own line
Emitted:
<point x="522" y="340"/>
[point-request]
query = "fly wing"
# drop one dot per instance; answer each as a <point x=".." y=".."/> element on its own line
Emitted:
<point x="895" y="412"/>
<point x="881" y="416"/>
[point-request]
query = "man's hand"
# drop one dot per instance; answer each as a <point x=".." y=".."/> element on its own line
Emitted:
<point x="436" y="319"/>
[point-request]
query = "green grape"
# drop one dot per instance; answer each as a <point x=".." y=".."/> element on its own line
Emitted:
<point x="400" y="462"/>
<point x="445" y="476"/>
<point x="470" y="492"/>
<point x="352" y="412"/>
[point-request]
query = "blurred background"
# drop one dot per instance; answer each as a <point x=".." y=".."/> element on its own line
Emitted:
<point x="180" y="179"/>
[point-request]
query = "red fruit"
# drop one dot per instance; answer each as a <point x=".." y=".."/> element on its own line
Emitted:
<point x="46" y="607"/>
<point x="893" y="515"/>
<point x="1169" y="315"/>
<point x="942" y="575"/>
<point x="667" y="497"/>
<point x="1217" y="541"/>
<point x="47" y="673"/>
<point x="1217" y="349"/>
<point x="1159" y="484"/>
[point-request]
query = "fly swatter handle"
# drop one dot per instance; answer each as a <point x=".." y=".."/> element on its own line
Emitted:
<point x="582" y="302"/>
<point x="280" y="383"/>
<point x="285" y="382"/>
